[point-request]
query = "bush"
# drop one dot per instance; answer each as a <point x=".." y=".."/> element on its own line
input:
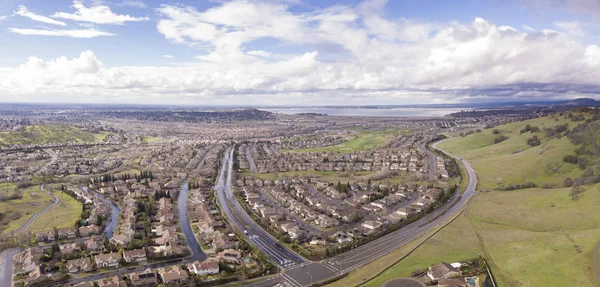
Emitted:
<point x="500" y="139"/>
<point x="570" y="159"/>
<point x="534" y="141"/>
<point x="568" y="182"/>
<point x="496" y="132"/>
<point x="582" y="162"/>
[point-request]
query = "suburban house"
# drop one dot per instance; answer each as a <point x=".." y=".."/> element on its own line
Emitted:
<point x="69" y="248"/>
<point x="107" y="260"/>
<point x="134" y="255"/>
<point x="48" y="236"/>
<point x="204" y="268"/>
<point x="145" y="278"/>
<point x="230" y="255"/>
<point x="28" y="260"/>
<point x="89" y="230"/>
<point x="120" y="239"/>
<point x="34" y="276"/>
<point x="115" y="281"/>
<point x="452" y="282"/>
<point x="172" y="274"/>
<point x="93" y="245"/>
<point x="67" y="233"/>
<point x="442" y="270"/>
<point x="79" y="265"/>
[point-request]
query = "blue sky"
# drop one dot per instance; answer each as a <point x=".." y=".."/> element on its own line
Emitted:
<point x="298" y="52"/>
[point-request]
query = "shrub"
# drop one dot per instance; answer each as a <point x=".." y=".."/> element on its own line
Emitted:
<point x="568" y="182"/>
<point x="534" y="141"/>
<point x="570" y="159"/>
<point x="496" y="132"/>
<point x="582" y="162"/>
<point x="500" y="139"/>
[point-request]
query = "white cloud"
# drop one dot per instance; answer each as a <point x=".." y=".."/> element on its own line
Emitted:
<point x="573" y="28"/>
<point x="375" y="60"/>
<point x="99" y="14"/>
<point x="259" y="53"/>
<point x="169" y="56"/>
<point x="133" y="3"/>
<point x="23" y="11"/>
<point x="85" y="33"/>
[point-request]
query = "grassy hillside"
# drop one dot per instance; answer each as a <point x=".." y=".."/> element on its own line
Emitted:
<point x="49" y="134"/>
<point x="17" y="211"/>
<point x="514" y="161"/>
<point x="64" y="214"/>
<point x="527" y="236"/>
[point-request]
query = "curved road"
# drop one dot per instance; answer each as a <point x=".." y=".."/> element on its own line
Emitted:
<point x="309" y="273"/>
<point x="298" y="271"/>
<point x="56" y="201"/>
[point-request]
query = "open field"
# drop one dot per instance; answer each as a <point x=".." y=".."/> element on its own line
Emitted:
<point x="527" y="236"/>
<point x="360" y="142"/>
<point x="457" y="242"/>
<point x="17" y="212"/>
<point x="513" y="161"/>
<point x="49" y="134"/>
<point x="64" y="214"/>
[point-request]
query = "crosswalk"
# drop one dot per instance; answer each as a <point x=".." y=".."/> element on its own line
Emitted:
<point x="284" y="284"/>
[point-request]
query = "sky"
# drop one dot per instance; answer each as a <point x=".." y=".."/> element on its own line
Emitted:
<point x="298" y="52"/>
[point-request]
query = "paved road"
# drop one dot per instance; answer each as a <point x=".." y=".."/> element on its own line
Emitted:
<point x="6" y="264"/>
<point x="306" y="274"/>
<point x="297" y="270"/>
<point x="231" y="208"/>
<point x="197" y="253"/>
<point x="432" y="164"/>
<point x="56" y="201"/>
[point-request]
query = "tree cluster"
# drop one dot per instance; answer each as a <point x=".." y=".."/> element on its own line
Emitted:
<point x="534" y="141"/>
<point x="529" y="128"/>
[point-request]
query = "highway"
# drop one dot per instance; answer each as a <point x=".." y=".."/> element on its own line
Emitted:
<point x="311" y="272"/>
<point x="297" y="271"/>
<point x="234" y="212"/>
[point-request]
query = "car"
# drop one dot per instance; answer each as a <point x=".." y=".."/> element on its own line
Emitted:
<point x="246" y="232"/>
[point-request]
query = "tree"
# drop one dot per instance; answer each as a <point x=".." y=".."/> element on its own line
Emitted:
<point x="568" y="182"/>
<point x="576" y="190"/>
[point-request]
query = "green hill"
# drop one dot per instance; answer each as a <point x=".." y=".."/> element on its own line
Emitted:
<point x="532" y="151"/>
<point x="50" y="133"/>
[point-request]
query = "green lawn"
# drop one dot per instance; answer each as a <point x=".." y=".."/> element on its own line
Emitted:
<point x="64" y="214"/>
<point x="359" y="142"/>
<point x="17" y="212"/>
<point x="50" y="133"/>
<point x="513" y="161"/>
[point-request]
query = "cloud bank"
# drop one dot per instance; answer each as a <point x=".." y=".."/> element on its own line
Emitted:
<point x="348" y="54"/>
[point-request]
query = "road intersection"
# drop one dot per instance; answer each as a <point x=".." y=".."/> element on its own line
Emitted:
<point x="297" y="271"/>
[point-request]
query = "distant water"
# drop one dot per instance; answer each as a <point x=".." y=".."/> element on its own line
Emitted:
<point x="364" y="112"/>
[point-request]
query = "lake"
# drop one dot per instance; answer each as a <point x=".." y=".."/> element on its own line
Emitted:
<point x="365" y="112"/>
